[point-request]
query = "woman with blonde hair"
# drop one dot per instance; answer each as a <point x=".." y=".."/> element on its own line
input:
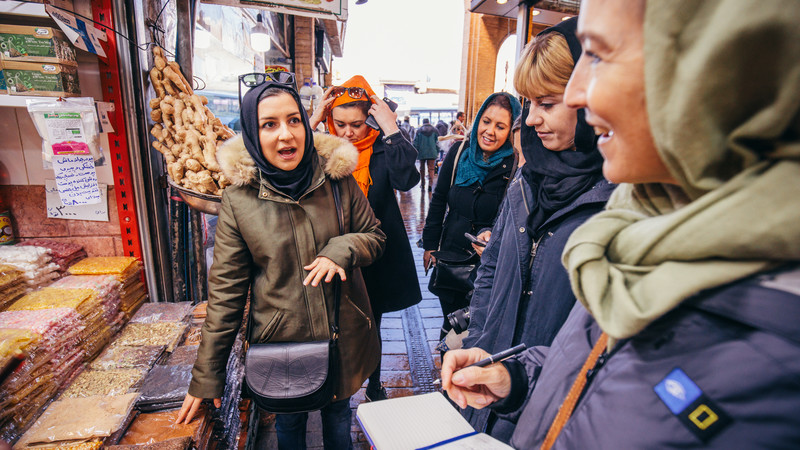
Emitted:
<point x="522" y="292"/>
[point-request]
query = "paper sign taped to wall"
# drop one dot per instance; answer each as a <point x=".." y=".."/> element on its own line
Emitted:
<point x="76" y="179"/>
<point x="57" y="210"/>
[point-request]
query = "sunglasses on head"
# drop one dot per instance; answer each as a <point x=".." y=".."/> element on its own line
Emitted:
<point x="353" y="92"/>
<point x="251" y="80"/>
<point x="254" y="79"/>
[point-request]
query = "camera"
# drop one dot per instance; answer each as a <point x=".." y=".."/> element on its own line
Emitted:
<point x="459" y="319"/>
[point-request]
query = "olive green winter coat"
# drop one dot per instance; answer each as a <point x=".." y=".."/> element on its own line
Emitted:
<point x="263" y="241"/>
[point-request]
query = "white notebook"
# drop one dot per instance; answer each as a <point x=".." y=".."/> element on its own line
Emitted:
<point x="420" y="422"/>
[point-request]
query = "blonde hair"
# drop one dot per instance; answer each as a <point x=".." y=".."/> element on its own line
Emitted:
<point x="544" y="67"/>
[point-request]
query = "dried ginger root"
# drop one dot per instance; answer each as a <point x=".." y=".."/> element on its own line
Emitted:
<point x="186" y="132"/>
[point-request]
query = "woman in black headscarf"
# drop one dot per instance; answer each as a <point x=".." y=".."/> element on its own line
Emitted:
<point x="522" y="292"/>
<point x="278" y="237"/>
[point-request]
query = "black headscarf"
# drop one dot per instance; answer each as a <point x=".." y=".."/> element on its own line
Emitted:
<point x="558" y="178"/>
<point x="293" y="182"/>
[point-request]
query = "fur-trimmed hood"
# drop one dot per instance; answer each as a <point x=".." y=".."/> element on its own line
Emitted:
<point x="338" y="158"/>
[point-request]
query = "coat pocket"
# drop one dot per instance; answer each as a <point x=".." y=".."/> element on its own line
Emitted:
<point x="360" y="312"/>
<point x="271" y="327"/>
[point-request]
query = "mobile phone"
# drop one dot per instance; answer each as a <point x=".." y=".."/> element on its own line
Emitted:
<point x="372" y="123"/>
<point x="474" y="239"/>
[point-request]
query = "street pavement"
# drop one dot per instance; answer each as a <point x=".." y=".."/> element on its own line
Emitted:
<point x="410" y="361"/>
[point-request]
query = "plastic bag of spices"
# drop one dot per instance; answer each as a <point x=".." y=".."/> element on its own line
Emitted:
<point x="67" y="126"/>
<point x="81" y="418"/>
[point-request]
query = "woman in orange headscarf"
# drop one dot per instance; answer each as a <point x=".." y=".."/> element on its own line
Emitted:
<point x="386" y="162"/>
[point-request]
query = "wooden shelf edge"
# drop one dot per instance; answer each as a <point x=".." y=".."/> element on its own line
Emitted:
<point x="17" y="101"/>
<point x="22" y="8"/>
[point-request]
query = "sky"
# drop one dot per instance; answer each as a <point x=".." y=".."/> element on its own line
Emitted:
<point x="409" y="40"/>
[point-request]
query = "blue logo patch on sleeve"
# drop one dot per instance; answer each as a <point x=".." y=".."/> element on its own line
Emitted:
<point x="677" y="391"/>
<point x="695" y="410"/>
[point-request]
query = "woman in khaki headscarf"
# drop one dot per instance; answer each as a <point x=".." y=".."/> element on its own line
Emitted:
<point x="689" y="282"/>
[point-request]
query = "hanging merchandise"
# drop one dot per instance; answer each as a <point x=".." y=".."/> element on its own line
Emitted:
<point x="306" y="93"/>
<point x="316" y="94"/>
<point x="67" y="127"/>
<point x="186" y="131"/>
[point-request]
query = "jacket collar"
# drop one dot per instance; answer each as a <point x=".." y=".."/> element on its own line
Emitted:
<point x="337" y="160"/>
<point x="599" y="193"/>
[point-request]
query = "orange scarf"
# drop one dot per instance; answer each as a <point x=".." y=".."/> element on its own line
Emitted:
<point x="364" y="146"/>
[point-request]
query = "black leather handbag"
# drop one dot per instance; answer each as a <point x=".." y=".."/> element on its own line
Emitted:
<point x="453" y="272"/>
<point x="293" y="377"/>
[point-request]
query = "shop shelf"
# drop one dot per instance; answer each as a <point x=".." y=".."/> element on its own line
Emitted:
<point x="15" y="100"/>
<point x="22" y="8"/>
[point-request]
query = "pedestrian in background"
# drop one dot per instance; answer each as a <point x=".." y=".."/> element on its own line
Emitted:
<point x="479" y="174"/>
<point x="441" y="127"/>
<point x="426" y="143"/>
<point x="386" y="162"/>
<point x="522" y="292"/>
<point x="408" y="128"/>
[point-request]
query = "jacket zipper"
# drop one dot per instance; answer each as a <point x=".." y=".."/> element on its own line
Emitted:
<point x="360" y="311"/>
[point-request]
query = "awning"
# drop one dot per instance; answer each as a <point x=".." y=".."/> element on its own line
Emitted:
<point x="491" y="7"/>
<point x="328" y="9"/>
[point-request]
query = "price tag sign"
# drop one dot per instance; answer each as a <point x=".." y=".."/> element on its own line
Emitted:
<point x="76" y="179"/>
<point x="57" y="210"/>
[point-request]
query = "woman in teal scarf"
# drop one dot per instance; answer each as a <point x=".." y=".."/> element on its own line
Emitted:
<point x="469" y="191"/>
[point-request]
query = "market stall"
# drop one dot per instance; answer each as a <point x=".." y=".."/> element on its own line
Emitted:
<point x="90" y="355"/>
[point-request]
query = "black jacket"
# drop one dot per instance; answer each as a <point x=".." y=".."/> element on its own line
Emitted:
<point x="392" y="281"/>
<point x="468" y="208"/>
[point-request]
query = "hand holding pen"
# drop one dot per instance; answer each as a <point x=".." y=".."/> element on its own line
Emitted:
<point x="469" y="384"/>
<point x="497" y="357"/>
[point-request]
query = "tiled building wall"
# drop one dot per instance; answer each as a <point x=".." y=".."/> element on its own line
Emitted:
<point x="304" y="58"/>
<point x="22" y="178"/>
<point x="485" y="34"/>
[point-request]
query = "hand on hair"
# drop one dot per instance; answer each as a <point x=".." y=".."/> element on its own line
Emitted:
<point x="321" y="111"/>
<point x="386" y="118"/>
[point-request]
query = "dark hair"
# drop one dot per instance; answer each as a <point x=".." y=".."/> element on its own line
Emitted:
<point x="362" y="105"/>
<point x="501" y="101"/>
<point x="426" y="121"/>
<point x="271" y="92"/>
<point x="460" y="114"/>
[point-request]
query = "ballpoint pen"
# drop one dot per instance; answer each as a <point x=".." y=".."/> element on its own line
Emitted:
<point x="497" y="357"/>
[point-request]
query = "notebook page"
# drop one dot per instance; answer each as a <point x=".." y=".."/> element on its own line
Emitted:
<point x="411" y="422"/>
<point x="478" y="441"/>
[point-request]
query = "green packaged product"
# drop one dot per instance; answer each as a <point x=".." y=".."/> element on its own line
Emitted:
<point x="43" y="79"/>
<point x="37" y="44"/>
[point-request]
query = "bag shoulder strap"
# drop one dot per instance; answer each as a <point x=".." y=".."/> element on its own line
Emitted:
<point x="337" y="282"/>
<point x="455" y="163"/>
<point x="452" y="180"/>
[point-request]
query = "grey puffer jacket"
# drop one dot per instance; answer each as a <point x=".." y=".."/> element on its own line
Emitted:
<point x="722" y="371"/>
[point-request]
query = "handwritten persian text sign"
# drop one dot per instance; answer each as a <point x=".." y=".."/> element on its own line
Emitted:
<point x="57" y="210"/>
<point x="76" y="179"/>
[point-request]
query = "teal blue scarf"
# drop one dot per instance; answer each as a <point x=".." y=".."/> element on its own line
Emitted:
<point x="471" y="168"/>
